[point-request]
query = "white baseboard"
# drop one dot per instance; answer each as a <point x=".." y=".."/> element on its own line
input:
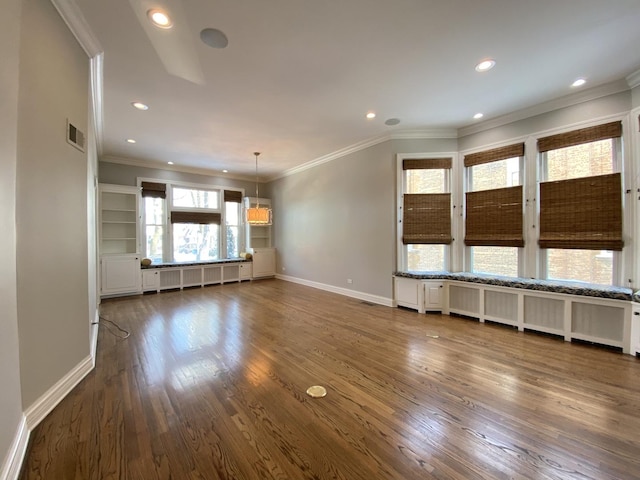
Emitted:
<point x="48" y="401"/>
<point x="367" y="297"/>
<point x="13" y="462"/>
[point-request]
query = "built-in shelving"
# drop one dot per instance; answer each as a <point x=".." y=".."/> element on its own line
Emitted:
<point x="119" y="246"/>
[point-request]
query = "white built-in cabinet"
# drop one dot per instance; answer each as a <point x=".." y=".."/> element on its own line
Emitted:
<point x="118" y="237"/>
<point x="259" y="243"/>
<point x="635" y="331"/>
<point x="257" y="236"/>
<point x="421" y="295"/>
<point x="184" y="276"/>
<point x="433" y="295"/>
<point x="119" y="274"/>
<point x="598" y="320"/>
<point x="264" y="262"/>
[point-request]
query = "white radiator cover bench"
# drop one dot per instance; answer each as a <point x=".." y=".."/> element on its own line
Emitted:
<point x="598" y="314"/>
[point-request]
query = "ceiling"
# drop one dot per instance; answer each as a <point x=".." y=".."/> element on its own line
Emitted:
<point x="298" y="76"/>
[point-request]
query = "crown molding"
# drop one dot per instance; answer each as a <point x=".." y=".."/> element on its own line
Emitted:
<point x="137" y="162"/>
<point x="356" y="147"/>
<point x="77" y="23"/>
<point x="633" y="80"/>
<point x="423" y="134"/>
<point x="333" y="156"/>
<point x="545" y="107"/>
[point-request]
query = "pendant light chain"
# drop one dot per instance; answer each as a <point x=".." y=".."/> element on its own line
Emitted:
<point x="257" y="197"/>
<point x="258" y="216"/>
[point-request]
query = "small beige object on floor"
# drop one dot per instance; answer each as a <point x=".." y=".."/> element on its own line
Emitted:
<point x="316" y="391"/>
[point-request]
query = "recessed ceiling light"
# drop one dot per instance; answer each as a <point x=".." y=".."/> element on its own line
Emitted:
<point x="392" y="121"/>
<point x="579" y="82"/>
<point x="170" y="163"/>
<point x="371" y="115"/>
<point x="478" y="115"/>
<point x="225" y="171"/>
<point x="140" y="106"/>
<point x="130" y="140"/>
<point x="485" y="65"/>
<point x="159" y="18"/>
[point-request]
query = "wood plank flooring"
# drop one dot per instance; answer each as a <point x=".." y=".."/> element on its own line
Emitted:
<point x="211" y="385"/>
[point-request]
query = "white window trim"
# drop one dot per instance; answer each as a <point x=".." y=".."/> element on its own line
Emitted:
<point x="467" y="252"/>
<point x="401" y="257"/>
<point x="167" y="244"/>
<point x="618" y="164"/>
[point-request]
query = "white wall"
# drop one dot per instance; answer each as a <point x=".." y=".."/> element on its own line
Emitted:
<point x="51" y="200"/>
<point x="120" y="174"/>
<point x="635" y="97"/>
<point x="565" y="117"/>
<point x="10" y="399"/>
<point x="337" y="221"/>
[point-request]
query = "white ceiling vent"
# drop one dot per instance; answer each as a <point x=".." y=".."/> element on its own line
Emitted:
<point x="75" y="137"/>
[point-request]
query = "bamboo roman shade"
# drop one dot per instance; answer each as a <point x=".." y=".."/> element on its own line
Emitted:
<point x="494" y="218"/>
<point x="494" y="155"/>
<point x="154" y="190"/>
<point x="426" y="163"/>
<point x="583" y="135"/>
<point x="426" y="218"/>
<point x="195" y="217"/>
<point x="582" y="213"/>
<point x="232" y="196"/>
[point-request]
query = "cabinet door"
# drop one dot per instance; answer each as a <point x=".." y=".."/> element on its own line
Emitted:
<point x="245" y="271"/>
<point x="120" y="274"/>
<point x="635" y="331"/>
<point x="150" y="280"/>
<point x="407" y="292"/>
<point x="264" y="262"/>
<point x="433" y="295"/>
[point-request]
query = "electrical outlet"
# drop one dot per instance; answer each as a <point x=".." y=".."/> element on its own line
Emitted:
<point x="349" y="280"/>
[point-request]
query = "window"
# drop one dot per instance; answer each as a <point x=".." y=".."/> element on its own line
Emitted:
<point x="581" y="205"/>
<point x="494" y="210"/>
<point x="194" y="242"/>
<point x="203" y="225"/>
<point x="153" y="209"/>
<point x="426" y="214"/>
<point x="194" y="198"/>
<point x="154" y="226"/>
<point x="232" y="216"/>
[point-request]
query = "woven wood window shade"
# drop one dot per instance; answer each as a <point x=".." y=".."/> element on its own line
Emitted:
<point x="583" y="135"/>
<point x="202" y="218"/>
<point x="494" y="155"/>
<point x="426" y="163"/>
<point x="232" y="196"/>
<point x="426" y="218"/>
<point x="154" y="190"/>
<point x="494" y="218"/>
<point x="582" y="213"/>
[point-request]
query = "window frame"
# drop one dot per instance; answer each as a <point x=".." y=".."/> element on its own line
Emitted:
<point x="401" y="177"/>
<point x="617" y="163"/>
<point x="468" y="187"/>
<point x="167" y="238"/>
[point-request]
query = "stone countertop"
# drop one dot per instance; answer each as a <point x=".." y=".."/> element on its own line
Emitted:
<point x="574" y="288"/>
<point x="195" y="264"/>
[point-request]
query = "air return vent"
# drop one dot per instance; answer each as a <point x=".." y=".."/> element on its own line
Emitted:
<point x="75" y="136"/>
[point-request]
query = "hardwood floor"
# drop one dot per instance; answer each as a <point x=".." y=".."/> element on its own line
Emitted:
<point x="211" y="385"/>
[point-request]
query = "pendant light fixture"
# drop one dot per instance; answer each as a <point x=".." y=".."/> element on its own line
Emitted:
<point x="257" y="215"/>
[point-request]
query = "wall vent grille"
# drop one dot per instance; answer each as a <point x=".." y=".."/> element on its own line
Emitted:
<point x="75" y="136"/>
